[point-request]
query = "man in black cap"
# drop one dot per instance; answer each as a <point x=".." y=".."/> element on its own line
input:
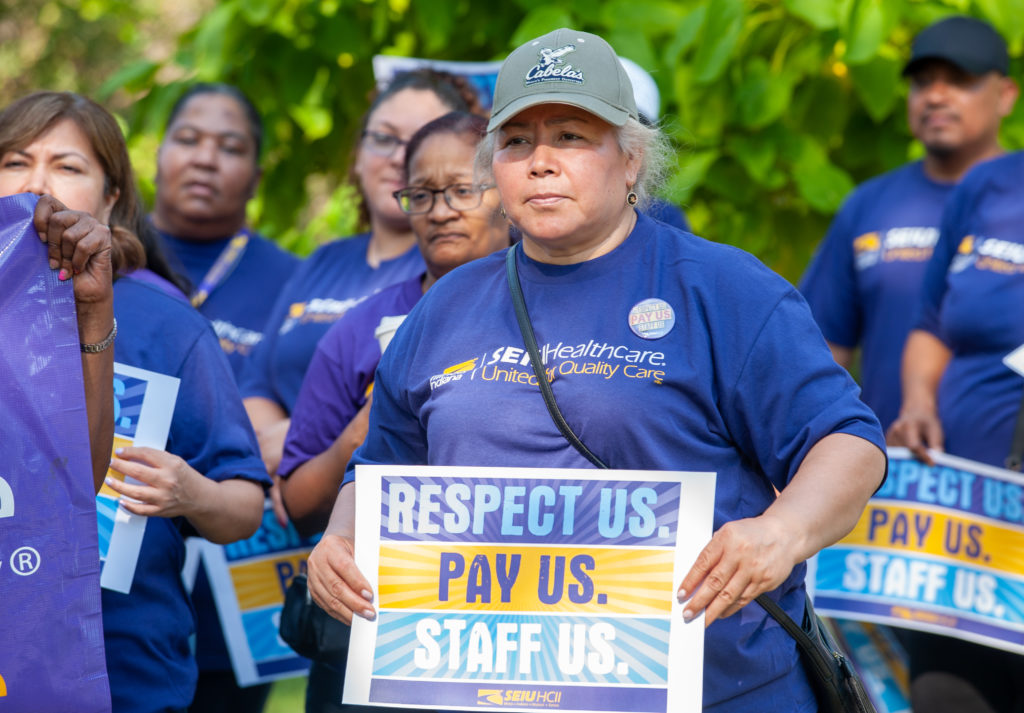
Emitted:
<point x="863" y="283"/>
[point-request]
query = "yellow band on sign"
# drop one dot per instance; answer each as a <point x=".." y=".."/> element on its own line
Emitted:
<point x="3" y="687"/>
<point x="470" y="577"/>
<point x="263" y="583"/>
<point x="939" y="533"/>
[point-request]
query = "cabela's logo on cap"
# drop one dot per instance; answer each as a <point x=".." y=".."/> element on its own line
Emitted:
<point x="552" y="68"/>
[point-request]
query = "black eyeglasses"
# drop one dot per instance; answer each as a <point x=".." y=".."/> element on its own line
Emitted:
<point x="381" y="143"/>
<point x="459" y="196"/>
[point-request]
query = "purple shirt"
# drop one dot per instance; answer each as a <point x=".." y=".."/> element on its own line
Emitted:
<point x="340" y="375"/>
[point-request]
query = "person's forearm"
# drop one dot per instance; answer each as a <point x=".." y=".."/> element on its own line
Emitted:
<point x="227" y="510"/>
<point x="310" y="491"/>
<point x="827" y="495"/>
<point x="94" y="324"/>
<point x="263" y="412"/>
<point x="925" y="358"/>
<point x="843" y="356"/>
<point x="343" y="516"/>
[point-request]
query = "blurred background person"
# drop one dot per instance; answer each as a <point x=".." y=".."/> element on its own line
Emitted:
<point x="210" y="479"/>
<point x="340" y="274"/>
<point x="959" y="397"/>
<point x="207" y="171"/>
<point x="864" y="281"/>
<point x="455" y="221"/>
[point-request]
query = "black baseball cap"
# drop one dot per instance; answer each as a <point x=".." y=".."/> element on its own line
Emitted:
<point x="970" y="44"/>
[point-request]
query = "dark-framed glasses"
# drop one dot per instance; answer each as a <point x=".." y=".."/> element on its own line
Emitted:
<point x="381" y="143"/>
<point x="459" y="196"/>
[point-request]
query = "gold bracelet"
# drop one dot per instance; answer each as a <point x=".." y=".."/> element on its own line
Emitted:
<point x="100" y="346"/>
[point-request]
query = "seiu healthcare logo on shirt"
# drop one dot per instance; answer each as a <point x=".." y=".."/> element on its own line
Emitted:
<point x="909" y="244"/>
<point x="990" y="254"/>
<point x="511" y="364"/>
<point x="321" y="309"/>
<point x="236" y="339"/>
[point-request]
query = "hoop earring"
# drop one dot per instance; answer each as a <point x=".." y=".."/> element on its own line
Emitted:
<point x="632" y="198"/>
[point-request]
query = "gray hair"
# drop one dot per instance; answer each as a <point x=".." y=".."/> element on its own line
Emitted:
<point x="634" y="138"/>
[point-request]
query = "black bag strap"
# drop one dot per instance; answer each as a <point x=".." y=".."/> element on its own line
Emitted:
<point x="803" y="641"/>
<point x="512" y="274"/>
<point x="1015" y="460"/>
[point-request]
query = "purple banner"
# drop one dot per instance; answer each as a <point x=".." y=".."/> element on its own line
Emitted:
<point x="52" y="654"/>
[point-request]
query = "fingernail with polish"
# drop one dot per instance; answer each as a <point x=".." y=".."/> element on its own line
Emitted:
<point x="119" y="451"/>
<point x="681" y="596"/>
<point x="687" y="616"/>
<point x="62" y="275"/>
<point x="108" y="480"/>
<point x="54" y="263"/>
<point x="369" y="615"/>
<point x="367" y="595"/>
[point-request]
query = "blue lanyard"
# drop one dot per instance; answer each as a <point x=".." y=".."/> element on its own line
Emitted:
<point x="221" y="268"/>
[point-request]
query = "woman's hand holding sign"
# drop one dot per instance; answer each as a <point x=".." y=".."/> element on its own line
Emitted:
<point x="334" y="581"/>
<point x="222" y="511"/>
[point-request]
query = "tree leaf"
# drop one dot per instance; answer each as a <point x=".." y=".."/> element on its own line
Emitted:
<point x="869" y="24"/>
<point x="823" y="14"/>
<point x="877" y="83"/>
<point x="722" y="28"/>
<point x="686" y="35"/>
<point x="540" y="21"/>
<point x="132" y="76"/>
<point x="762" y="96"/>
<point x="691" y="173"/>
<point x="652" y="17"/>
<point x="822" y="184"/>
<point x="755" y="152"/>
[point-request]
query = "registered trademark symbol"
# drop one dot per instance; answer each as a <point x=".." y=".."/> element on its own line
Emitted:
<point x="25" y="561"/>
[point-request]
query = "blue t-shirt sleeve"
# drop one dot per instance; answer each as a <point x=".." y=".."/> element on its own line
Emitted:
<point x="776" y="412"/>
<point x="210" y="428"/>
<point x="330" y="397"/>
<point x="830" y="283"/>
<point x="933" y="288"/>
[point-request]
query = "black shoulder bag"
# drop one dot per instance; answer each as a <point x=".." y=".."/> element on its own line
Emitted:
<point x="835" y="683"/>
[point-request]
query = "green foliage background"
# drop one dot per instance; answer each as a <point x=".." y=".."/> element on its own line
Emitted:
<point x="777" y="107"/>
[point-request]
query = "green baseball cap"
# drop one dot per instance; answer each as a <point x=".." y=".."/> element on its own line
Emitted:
<point x="564" y="67"/>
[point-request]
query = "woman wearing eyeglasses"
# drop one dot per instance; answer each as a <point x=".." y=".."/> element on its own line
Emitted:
<point x="343" y="273"/>
<point x="455" y="221"/>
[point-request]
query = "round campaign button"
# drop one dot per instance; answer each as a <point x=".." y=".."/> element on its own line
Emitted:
<point x="652" y="318"/>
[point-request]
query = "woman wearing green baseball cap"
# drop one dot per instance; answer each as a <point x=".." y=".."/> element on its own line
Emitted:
<point x="663" y="352"/>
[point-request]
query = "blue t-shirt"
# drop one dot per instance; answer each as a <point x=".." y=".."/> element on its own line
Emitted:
<point x="973" y="300"/>
<point x="341" y="372"/>
<point x="326" y="285"/>
<point x="863" y="283"/>
<point x="239" y="306"/>
<point x="146" y="632"/>
<point x="742" y="384"/>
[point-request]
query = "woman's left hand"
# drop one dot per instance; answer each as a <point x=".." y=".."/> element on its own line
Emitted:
<point x="79" y="246"/>
<point x="170" y="485"/>
<point x="744" y="559"/>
